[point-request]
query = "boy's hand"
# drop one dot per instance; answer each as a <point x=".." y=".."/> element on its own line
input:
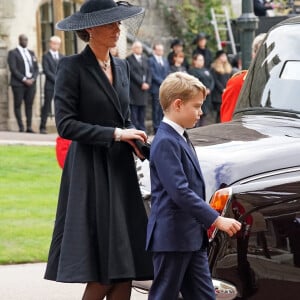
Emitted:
<point x="230" y="226"/>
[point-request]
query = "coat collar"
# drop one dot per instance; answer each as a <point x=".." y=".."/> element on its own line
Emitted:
<point x="93" y="67"/>
<point x="166" y="127"/>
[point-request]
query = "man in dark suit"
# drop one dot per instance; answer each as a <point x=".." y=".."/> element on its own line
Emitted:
<point x="160" y="68"/>
<point x="49" y="62"/>
<point x="179" y="217"/>
<point x="140" y="80"/>
<point x="261" y="7"/>
<point x="24" y="71"/>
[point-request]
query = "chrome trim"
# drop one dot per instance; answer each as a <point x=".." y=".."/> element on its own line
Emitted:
<point x="271" y="173"/>
<point x="224" y="290"/>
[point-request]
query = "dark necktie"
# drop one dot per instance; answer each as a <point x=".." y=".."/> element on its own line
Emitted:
<point x="55" y="56"/>
<point x="185" y="134"/>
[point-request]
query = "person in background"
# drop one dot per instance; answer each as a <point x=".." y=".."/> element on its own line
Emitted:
<point x="24" y="70"/>
<point x="178" y="63"/>
<point x="221" y="71"/>
<point x="201" y="48"/>
<point x="235" y="83"/>
<point x="49" y="62"/>
<point x="140" y="81"/>
<point x="203" y="74"/>
<point x="160" y="68"/>
<point x="180" y="216"/>
<point x="100" y="227"/>
<point x="261" y="7"/>
<point x="236" y="62"/>
<point x="177" y="46"/>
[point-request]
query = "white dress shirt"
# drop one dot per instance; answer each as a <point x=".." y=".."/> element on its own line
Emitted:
<point x="54" y="54"/>
<point x="27" y="61"/>
<point x="159" y="59"/>
<point x="175" y="126"/>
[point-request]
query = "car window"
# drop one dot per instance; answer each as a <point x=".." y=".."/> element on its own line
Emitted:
<point x="273" y="78"/>
<point x="291" y="70"/>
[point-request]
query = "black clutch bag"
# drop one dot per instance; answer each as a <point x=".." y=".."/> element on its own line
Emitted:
<point x="144" y="148"/>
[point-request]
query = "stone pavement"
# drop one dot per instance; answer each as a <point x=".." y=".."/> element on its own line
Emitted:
<point x="25" y="281"/>
<point x="13" y="137"/>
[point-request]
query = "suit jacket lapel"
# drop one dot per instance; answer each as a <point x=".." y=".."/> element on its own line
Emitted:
<point x="186" y="147"/>
<point x="54" y="61"/>
<point x="139" y="65"/>
<point x="101" y="79"/>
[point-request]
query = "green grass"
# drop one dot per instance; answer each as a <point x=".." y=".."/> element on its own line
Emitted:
<point x="29" y="184"/>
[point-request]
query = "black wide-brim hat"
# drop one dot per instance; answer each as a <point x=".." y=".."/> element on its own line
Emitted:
<point x="95" y="13"/>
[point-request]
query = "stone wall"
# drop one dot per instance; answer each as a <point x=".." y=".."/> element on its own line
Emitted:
<point x="3" y="86"/>
<point x="154" y="27"/>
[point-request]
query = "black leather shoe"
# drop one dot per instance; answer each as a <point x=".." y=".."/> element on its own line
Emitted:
<point x="43" y="131"/>
<point x="29" y="130"/>
<point x="21" y="130"/>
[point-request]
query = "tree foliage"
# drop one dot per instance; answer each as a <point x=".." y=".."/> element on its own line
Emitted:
<point x="187" y="19"/>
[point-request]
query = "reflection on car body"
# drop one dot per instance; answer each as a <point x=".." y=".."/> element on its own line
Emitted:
<point x="251" y="167"/>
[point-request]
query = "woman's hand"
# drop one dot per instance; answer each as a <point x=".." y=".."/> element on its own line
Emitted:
<point x="129" y="135"/>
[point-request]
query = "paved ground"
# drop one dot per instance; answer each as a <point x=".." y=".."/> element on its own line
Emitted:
<point x="11" y="137"/>
<point x="25" y="281"/>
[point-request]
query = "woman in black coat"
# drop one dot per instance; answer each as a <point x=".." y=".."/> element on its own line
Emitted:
<point x="100" y="226"/>
<point x="221" y="71"/>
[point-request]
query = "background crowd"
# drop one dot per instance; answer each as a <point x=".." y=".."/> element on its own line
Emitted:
<point x="213" y="69"/>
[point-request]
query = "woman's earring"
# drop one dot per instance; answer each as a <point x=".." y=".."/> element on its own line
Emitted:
<point x="91" y="36"/>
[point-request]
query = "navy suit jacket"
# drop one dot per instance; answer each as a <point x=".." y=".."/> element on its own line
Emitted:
<point x="139" y="73"/>
<point x="158" y="72"/>
<point x="49" y="69"/>
<point x="179" y="214"/>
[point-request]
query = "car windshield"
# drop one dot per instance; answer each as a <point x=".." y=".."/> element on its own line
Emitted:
<point x="273" y="80"/>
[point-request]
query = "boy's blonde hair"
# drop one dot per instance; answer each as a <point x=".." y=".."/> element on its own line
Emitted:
<point x="179" y="85"/>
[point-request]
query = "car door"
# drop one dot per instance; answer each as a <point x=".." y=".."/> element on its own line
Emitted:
<point x="263" y="259"/>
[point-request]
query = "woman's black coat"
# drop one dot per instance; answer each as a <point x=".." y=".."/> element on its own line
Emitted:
<point x="100" y="225"/>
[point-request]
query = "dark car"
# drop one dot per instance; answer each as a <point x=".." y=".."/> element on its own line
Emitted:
<point x="251" y="166"/>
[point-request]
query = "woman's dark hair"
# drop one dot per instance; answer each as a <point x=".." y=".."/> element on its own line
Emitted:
<point x="83" y="35"/>
<point x="195" y="56"/>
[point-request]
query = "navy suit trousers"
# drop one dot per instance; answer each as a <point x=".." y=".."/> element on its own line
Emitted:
<point x="185" y="272"/>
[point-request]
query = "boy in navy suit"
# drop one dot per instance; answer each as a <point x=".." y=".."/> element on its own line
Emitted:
<point x="179" y="217"/>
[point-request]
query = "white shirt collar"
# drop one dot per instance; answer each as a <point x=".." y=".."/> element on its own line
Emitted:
<point x="175" y="126"/>
<point x="137" y="56"/>
<point x="53" y="52"/>
<point x="21" y="49"/>
<point x="159" y="59"/>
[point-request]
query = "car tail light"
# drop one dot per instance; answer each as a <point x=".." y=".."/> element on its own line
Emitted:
<point x="218" y="202"/>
